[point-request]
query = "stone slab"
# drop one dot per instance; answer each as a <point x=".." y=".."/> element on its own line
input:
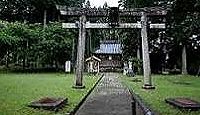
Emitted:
<point x="49" y="103"/>
<point x="183" y="103"/>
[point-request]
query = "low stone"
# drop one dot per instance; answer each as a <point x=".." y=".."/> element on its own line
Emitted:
<point x="78" y="87"/>
<point x="183" y="103"/>
<point x="181" y="83"/>
<point x="148" y="87"/>
<point x="136" y="80"/>
<point x="130" y="73"/>
<point x="49" y="103"/>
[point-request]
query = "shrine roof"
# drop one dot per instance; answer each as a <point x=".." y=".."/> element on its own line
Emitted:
<point x="109" y="47"/>
<point x="93" y="58"/>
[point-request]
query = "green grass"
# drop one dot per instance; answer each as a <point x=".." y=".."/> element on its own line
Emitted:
<point x="167" y="87"/>
<point x="17" y="90"/>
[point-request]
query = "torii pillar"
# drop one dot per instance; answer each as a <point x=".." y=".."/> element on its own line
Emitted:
<point x="145" y="54"/>
<point x="80" y="53"/>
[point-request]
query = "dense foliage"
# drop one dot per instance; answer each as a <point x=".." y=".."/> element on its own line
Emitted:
<point x="29" y="45"/>
<point x="26" y="43"/>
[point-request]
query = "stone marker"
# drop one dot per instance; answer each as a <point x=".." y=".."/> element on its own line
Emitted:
<point x="125" y="69"/>
<point x="68" y="66"/>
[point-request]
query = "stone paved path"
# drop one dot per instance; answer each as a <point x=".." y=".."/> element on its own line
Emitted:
<point x="110" y="97"/>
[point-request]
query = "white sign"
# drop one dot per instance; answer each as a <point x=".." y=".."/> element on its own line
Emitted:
<point x="67" y="66"/>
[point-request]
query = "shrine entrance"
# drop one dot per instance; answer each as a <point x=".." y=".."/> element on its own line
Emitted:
<point x="110" y="53"/>
<point x="114" y="14"/>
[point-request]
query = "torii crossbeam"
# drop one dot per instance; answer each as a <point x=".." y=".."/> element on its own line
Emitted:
<point x="82" y="25"/>
<point x="107" y="26"/>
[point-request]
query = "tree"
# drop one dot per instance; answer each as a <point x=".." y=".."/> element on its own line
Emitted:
<point x="183" y="26"/>
<point x="15" y="10"/>
<point x="105" y="5"/>
<point x="49" y="6"/>
<point x="56" y="45"/>
<point x="137" y="3"/>
<point x="87" y="4"/>
<point x="28" y="45"/>
<point x="8" y="42"/>
<point x="34" y="11"/>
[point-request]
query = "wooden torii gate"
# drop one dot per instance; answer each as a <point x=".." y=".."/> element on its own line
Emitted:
<point x="82" y="25"/>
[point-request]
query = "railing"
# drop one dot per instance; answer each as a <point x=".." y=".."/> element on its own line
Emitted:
<point x="139" y="107"/>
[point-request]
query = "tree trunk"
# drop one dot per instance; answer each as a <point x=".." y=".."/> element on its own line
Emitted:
<point x="198" y="73"/>
<point x="37" y="61"/>
<point x="139" y="69"/>
<point x="89" y="43"/>
<point x="138" y="52"/>
<point x="45" y="19"/>
<point x="7" y="59"/>
<point x="17" y="59"/>
<point x="26" y="55"/>
<point x="59" y="20"/>
<point x="145" y="52"/>
<point x="184" y="61"/>
<point x="56" y="65"/>
<point x="73" y="56"/>
<point x="24" y="62"/>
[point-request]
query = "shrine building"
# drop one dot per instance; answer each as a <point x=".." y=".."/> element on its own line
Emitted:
<point x="110" y="53"/>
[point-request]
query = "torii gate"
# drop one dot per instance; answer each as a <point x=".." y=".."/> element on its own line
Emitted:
<point x="93" y="12"/>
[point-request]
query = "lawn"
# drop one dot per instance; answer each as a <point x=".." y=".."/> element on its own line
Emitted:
<point x="167" y="86"/>
<point x="17" y="90"/>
